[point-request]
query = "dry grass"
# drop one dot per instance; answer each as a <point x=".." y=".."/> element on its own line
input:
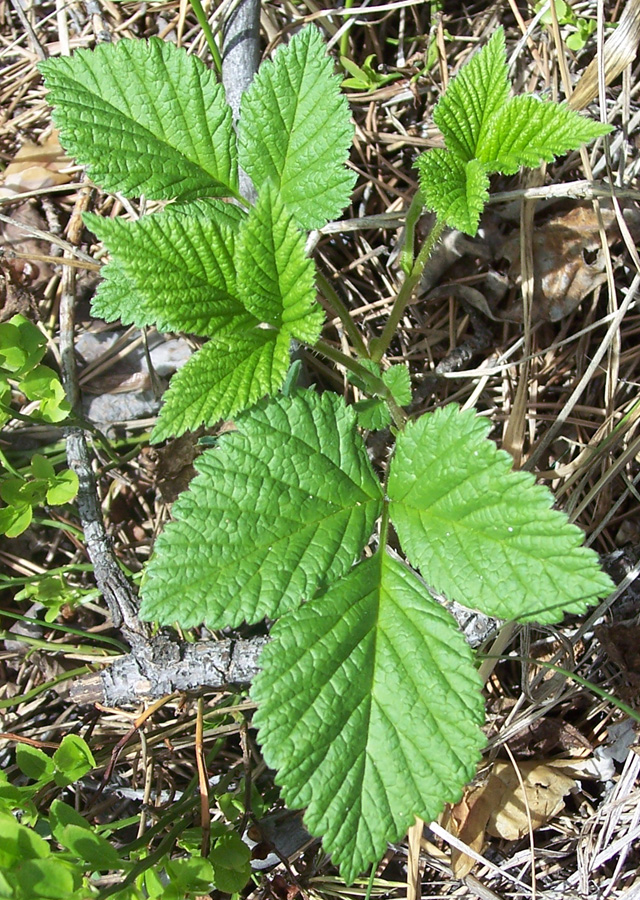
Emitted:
<point x="561" y="392"/>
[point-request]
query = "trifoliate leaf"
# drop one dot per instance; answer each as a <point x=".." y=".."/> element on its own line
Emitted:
<point x="276" y="279"/>
<point x="146" y="118"/>
<point x="398" y="380"/>
<point x="528" y="131"/>
<point x="280" y="509"/>
<point x="228" y="374"/>
<point x="473" y="97"/>
<point x="174" y="269"/>
<point x="454" y="189"/>
<point x="481" y="533"/>
<point x="295" y="129"/>
<point x="369" y="707"/>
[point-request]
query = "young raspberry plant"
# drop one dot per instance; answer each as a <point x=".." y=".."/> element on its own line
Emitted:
<point x="369" y="701"/>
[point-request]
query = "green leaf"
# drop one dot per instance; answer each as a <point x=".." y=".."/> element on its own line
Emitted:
<point x="63" y="488"/>
<point x="398" y="380"/>
<point x="49" y="878"/>
<point x="22" y="345"/>
<point x="146" y="118"/>
<point x="481" y="533"/>
<point x="373" y="414"/>
<point x="34" y="763"/>
<point x="280" y="508"/>
<point x="528" y="131"/>
<point x="72" y="759"/>
<point x="231" y="861"/>
<point x="455" y="190"/>
<point x="17" y="843"/>
<point x="61" y="815"/>
<point x="173" y="269"/>
<point x="295" y="130"/>
<point x="276" y="279"/>
<point x="228" y="374"/>
<point x="15" y="519"/>
<point x="472" y="99"/>
<point x="369" y="707"/>
<point x="41" y="467"/>
<point x="193" y="874"/>
<point x="90" y="847"/>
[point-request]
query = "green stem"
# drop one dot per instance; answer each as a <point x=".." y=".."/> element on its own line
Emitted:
<point x="344" y="39"/>
<point x="206" y="29"/>
<point x="411" y="282"/>
<point x="373" y="385"/>
<point x="342" y="312"/>
<point x="413" y="214"/>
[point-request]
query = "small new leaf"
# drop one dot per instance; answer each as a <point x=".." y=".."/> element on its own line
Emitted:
<point x="528" y="131"/>
<point x="228" y="374"/>
<point x="481" y="533"/>
<point x="486" y="131"/>
<point x="398" y="380"/>
<point x="146" y="118"/>
<point x="280" y="508"/>
<point x="369" y="708"/>
<point x="295" y="130"/>
<point x="454" y="189"/>
<point x="473" y="98"/>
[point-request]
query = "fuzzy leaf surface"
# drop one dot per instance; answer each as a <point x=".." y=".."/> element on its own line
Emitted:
<point x="473" y="97"/>
<point x="528" y="130"/>
<point x="228" y="374"/>
<point x="295" y="130"/>
<point x="282" y="507"/>
<point x="454" y="189"/>
<point x="174" y="269"/>
<point x="145" y="117"/>
<point x="276" y="279"/>
<point x="369" y="707"/>
<point x="483" y="534"/>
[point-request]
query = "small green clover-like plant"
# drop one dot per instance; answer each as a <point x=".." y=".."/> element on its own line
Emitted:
<point x="487" y="131"/>
<point x="22" y="346"/>
<point x="369" y="702"/>
<point x="65" y="865"/>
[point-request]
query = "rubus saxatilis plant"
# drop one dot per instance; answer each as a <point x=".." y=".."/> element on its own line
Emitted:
<point x="369" y="702"/>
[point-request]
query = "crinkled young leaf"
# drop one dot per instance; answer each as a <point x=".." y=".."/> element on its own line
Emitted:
<point x="483" y="534"/>
<point x="454" y="189"/>
<point x="528" y="130"/>
<point x="174" y="269"/>
<point x="473" y="97"/>
<point x="295" y="130"/>
<point x="228" y="374"/>
<point x="398" y="380"/>
<point x="276" y="279"/>
<point x="280" y="509"/>
<point x="146" y="118"/>
<point x="369" y="707"/>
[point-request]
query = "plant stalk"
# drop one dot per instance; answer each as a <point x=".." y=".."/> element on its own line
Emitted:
<point x="206" y="30"/>
<point x="380" y="345"/>
<point x="332" y="297"/>
<point x="374" y="385"/>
